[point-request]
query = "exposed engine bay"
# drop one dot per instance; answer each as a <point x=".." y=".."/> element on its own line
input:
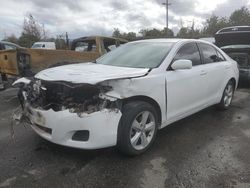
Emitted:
<point x="59" y="96"/>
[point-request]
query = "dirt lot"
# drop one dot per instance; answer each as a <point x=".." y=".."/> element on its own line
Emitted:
<point x="209" y="149"/>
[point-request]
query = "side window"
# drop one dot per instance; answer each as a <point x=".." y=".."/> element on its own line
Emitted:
<point x="109" y="44"/>
<point x="189" y="51"/>
<point x="220" y="56"/>
<point x="8" y="47"/>
<point x="2" y="46"/>
<point x="85" y="46"/>
<point x="210" y="54"/>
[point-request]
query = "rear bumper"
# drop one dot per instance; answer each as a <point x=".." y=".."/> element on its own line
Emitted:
<point x="59" y="127"/>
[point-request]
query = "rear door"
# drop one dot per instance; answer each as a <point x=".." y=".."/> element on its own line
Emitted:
<point x="216" y="67"/>
<point x="186" y="89"/>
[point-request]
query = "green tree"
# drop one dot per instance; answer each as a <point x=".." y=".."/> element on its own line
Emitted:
<point x="167" y="33"/>
<point x="240" y="17"/>
<point x="214" y="24"/>
<point x="148" y="34"/>
<point x="185" y="32"/>
<point x="32" y="32"/>
<point x="130" y="36"/>
<point x="156" y="33"/>
<point x="117" y="33"/>
<point x="60" y="42"/>
<point x="12" y="38"/>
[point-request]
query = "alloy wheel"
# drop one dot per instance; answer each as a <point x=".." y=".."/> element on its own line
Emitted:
<point x="228" y="95"/>
<point x="142" y="130"/>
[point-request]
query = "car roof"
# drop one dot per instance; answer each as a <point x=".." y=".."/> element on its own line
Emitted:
<point x="172" y="40"/>
<point x="10" y="43"/>
<point x="44" y="42"/>
<point x="234" y="29"/>
<point x="98" y="36"/>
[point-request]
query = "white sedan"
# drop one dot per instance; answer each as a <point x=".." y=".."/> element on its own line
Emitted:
<point x="124" y="97"/>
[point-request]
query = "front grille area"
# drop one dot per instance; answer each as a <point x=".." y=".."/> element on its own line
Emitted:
<point x="56" y="95"/>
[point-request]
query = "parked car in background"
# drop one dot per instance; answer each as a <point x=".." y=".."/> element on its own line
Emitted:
<point x="209" y="39"/>
<point x="128" y="94"/>
<point x="8" y="46"/>
<point x="27" y="62"/>
<point x="4" y="45"/>
<point x="44" y="45"/>
<point x="235" y="41"/>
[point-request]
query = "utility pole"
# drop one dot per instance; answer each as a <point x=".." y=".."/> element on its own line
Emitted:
<point x="44" y="37"/>
<point x="167" y="4"/>
<point x="67" y="40"/>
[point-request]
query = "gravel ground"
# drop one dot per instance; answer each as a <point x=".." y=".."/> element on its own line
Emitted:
<point x="208" y="149"/>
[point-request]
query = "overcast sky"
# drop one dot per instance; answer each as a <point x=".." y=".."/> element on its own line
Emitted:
<point x="91" y="17"/>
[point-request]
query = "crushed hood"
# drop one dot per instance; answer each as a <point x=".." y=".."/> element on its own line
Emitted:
<point x="90" y="73"/>
<point x="234" y="38"/>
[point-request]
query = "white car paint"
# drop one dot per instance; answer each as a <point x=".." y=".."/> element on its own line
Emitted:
<point x="209" y="39"/>
<point x="92" y="73"/>
<point x="97" y="123"/>
<point x="178" y="93"/>
<point x="22" y="80"/>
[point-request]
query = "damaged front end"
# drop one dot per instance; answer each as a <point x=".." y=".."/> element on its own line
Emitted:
<point x="59" y="96"/>
<point x="74" y="115"/>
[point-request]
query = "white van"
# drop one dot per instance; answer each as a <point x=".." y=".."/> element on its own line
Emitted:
<point x="44" y="45"/>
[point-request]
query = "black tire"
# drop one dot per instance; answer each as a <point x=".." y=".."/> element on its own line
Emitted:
<point x="223" y="105"/>
<point x="2" y="87"/>
<point x="130" y="112"/>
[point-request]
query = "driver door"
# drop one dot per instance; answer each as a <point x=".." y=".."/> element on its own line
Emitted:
<point x="186" y="89"/>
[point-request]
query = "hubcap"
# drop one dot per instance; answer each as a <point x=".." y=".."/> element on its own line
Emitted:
<point x="228" y="95"/>
<point x="142" y="130"/>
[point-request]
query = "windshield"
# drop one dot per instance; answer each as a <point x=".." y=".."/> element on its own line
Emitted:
<point x="137" y="55"/>
<point x="240" y="46"/>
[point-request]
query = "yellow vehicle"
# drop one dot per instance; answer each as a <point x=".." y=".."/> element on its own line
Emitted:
<point x="27" y="62"/>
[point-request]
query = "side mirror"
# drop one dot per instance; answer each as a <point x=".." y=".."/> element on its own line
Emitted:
<point x="181" y="64"/>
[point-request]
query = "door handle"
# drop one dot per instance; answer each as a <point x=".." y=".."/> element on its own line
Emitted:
<point x="203" y="73"/>
<point x="227" y="67"/>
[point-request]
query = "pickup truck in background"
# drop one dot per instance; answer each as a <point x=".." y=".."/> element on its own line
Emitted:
<point x="24" y="62"/>
<point x="235" y="41"/>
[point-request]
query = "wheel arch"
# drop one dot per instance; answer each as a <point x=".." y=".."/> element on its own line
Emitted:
<point x="148" y="100"/>
<point x="234" y="82"/>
